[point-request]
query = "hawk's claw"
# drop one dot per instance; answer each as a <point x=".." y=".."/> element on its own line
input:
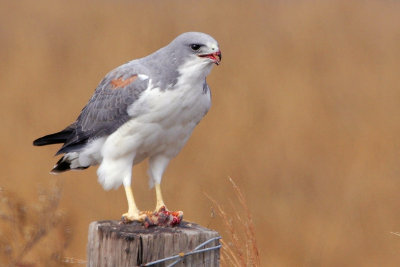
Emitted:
<point x="127" y="217"/>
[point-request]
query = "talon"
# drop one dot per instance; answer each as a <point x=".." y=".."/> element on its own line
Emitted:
<point x="133" y="213"/>
<point x="130" y="217"/>
<point x="161" y="209"/>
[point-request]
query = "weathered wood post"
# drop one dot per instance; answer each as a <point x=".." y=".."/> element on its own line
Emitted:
<point x="114" y="244"/>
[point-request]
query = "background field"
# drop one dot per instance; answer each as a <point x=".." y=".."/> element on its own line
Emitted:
<point x="305" y="117"/>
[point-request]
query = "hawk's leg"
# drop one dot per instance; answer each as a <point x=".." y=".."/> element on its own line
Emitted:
<point x="161" y="216"/>
<point x="133" y="213"/>
<point x="157" y="166"/>
<point x="160" y="201"/>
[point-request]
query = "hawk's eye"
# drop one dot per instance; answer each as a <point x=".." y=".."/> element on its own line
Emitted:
<point x="195" y="47"/>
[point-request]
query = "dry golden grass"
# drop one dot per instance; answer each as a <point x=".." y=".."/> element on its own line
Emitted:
<point x="34" y="233"/>
<point x="240" y="249"/>
<point x="305" y="116"/>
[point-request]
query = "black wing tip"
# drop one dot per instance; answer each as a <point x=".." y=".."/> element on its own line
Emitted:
<point x="40" y="142"/>
<point x="55" y="138"/>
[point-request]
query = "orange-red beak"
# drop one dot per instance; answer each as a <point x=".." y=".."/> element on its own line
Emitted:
<point x="215" y="57"/>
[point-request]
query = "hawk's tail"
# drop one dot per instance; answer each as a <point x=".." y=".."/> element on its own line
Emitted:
<point x="70" y="160"/>
<point x="55" y="138"/>
<point x="64" y="164"/>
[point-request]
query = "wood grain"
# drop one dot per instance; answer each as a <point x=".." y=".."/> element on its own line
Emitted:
<point x="112" y="244"/>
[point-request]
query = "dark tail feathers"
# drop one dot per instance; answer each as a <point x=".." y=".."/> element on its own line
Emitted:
<point x="56" y="138"/>
<point x="63" y="165"/>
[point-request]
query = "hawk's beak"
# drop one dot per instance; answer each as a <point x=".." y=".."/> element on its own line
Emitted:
<point x="215" y="57"/>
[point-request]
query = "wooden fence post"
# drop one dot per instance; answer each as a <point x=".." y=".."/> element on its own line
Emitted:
<point x="114" y="244"/>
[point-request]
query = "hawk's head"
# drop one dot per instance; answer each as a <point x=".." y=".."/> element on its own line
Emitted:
<point x="189" y="56"/>
<point x="197" y="46"/>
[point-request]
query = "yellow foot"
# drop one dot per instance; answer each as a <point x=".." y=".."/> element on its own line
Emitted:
<point x="134" y="216"/>
<point x="161" y="207"/>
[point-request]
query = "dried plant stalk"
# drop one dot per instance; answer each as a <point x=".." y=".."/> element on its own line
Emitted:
<point x="241" y="249"/>
<point x="23" y="227"/>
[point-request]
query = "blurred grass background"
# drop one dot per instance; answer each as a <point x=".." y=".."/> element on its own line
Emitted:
<point x="305" y="117"/>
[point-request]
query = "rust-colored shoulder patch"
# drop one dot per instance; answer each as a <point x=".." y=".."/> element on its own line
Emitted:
<point x="121" y="83"/>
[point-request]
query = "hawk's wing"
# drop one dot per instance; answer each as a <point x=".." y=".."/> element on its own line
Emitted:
<point x="106" y="111"/>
